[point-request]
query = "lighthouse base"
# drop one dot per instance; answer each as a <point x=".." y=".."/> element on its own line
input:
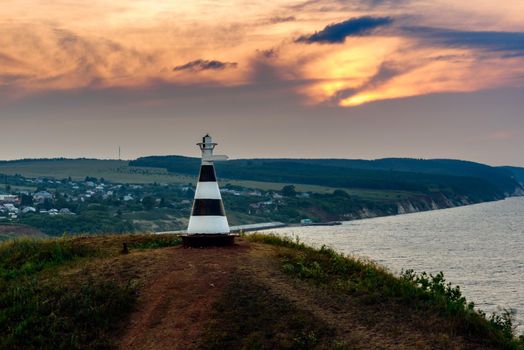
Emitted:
<point x="208" y="240"/>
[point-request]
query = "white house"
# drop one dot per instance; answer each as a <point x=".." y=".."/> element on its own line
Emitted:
<point x="41" y="196"/>
<point x="9" y="198"/>
<point x="29" y="210"/>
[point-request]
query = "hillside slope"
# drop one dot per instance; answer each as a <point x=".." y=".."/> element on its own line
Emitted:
<point x="476" y="181"/>
<point x="517" y="172"/>
<point x="263" y="293"/>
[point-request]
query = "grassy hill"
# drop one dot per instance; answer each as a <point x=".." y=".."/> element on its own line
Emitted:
<point x="264" y="293"/>
<point x="123" y="172"/>
<point x="478" y="182"/>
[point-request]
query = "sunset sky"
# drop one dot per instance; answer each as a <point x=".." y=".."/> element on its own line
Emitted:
<point x="314" y="78"/>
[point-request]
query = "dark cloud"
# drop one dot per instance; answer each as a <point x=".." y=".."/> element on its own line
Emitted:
<point x="281" y="19"/>
<point x="200" y="65"/>
<point x="269" y="53"/>
<point x="338" y="32"/>
<point x="347" y="5"/>
<point x="492" y="41"/>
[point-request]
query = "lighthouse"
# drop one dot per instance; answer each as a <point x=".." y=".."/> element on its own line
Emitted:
<point x="208" y="222"/>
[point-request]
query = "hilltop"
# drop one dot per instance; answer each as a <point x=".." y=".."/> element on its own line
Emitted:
<point x="263" y="293"/>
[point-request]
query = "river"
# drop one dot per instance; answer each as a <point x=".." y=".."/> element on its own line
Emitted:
<point x="478" y="247"/>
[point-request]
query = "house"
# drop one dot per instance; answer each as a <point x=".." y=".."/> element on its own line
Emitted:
<point x="41" y="196"/>
<point x="28" y="210"/>
<point x="227" y="190"/>
<point x="9" y="198"/>
<point x="254" y="193"/>
<point x="11" y="208"/>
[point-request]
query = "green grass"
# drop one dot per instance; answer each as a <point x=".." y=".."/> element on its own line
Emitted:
<point x="51" y="315"/>
<point x="41" y="307"/>
<point x="28" y="256"/>
<point x="371" y="284"/>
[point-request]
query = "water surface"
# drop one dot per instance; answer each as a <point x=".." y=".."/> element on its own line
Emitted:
<point x="478" y="247"/>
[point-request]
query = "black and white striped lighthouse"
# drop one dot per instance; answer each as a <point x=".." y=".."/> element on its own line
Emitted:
<point x="208" y="217"/>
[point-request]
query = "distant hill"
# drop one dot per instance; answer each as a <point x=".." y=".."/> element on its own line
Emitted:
<point x="500" y="177"/>
<point x="477" y="181"/>
<point x="518" y="173"/>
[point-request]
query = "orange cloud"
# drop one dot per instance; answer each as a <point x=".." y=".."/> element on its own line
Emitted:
<point x="70" y="45"/>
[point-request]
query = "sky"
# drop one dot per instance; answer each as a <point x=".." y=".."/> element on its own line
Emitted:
<point x="288" y="78"/>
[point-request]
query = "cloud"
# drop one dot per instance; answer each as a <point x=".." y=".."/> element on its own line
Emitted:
<point x="268" y="53"/>
<point x="347" y="5"/>
<point x="489" y="40"/>
<point x="387" y="71"/>
<point x="200" y="65"/>
<point x="6" y="60"/>
<point x="281" y="19"/>
<point x="337" y="32"/>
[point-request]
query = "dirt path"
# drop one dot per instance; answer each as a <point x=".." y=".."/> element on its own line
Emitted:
<point x="178" y="296"/>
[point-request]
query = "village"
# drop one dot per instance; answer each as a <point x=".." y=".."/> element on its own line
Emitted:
<point x="95" y="205"/>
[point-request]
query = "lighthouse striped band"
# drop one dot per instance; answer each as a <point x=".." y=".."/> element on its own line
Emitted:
<point x="207" y="190"/>
<point x="208" y="225"/>
<point x="207" y="207"/>
<point x="208" y="215"/>
<point x="207" y="174"/>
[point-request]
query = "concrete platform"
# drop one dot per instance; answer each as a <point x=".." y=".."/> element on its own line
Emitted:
<point x="208" y="240"/>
